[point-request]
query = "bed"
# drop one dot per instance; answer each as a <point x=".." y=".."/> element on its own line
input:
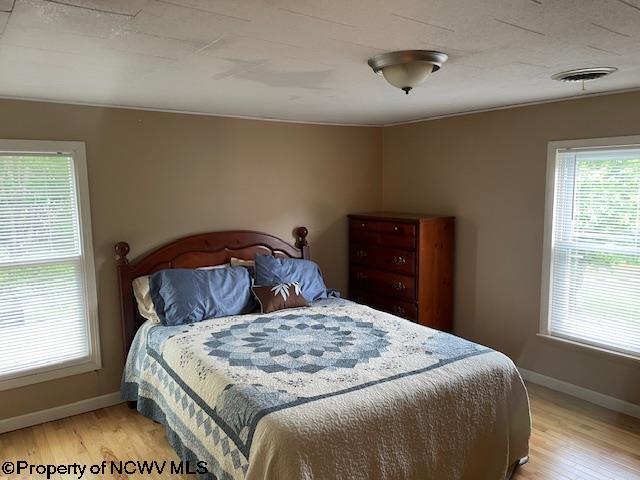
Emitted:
<point x="336" y="390"/>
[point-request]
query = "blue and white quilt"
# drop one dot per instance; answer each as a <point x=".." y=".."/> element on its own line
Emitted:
<point x="336" y="390"/>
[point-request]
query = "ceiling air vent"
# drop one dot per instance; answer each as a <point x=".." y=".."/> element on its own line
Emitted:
<point x="584" y="74"/>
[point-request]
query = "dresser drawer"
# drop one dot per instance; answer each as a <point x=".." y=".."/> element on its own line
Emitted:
<point x="384" y="283"/>
<point x="382" y="239"/>
<point x="396" y="307"/>
<point x="392" y="228"/>
<point x="391" y="259"/>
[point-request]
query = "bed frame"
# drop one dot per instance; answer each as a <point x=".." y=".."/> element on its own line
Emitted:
<point x="205" y="249"/>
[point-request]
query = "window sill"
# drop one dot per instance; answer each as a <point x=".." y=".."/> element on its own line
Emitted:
<point x="613" y="355"/>
<point x="53" y="373"/>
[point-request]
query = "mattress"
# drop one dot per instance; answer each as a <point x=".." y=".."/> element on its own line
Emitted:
<point x="332" y="391"/>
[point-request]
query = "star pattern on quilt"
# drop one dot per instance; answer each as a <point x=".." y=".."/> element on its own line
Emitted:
<point x="298" y="343"/>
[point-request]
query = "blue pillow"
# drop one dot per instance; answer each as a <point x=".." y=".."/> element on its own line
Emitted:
<point x="186" y="296"/>
<point x="274" y="271"/>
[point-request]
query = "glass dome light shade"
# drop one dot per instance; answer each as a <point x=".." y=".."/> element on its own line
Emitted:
<point x="407" y="75"/>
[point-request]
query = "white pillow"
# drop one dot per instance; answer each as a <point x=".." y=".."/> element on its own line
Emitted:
<point x="238" y="262"/>
<point x="143" y="294"/>
<point x="143" y="298"/>
<point x="214" y="267"/>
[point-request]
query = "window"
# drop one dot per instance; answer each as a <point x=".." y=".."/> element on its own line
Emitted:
<point x="48" y="312"/>
<point x="591" y="269"/>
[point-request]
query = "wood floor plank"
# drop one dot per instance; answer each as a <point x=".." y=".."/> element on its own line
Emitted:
<point x="571" y="440"/>
<point x="580" y="440"/>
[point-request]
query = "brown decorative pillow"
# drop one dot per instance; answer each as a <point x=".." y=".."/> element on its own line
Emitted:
<point x="279" y="297"/>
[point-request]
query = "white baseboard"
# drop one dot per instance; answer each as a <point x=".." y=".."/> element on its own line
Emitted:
<point x="601" y="399"/>
<point x="62" y="411"/>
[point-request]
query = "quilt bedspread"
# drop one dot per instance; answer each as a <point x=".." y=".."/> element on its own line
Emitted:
<point x="336" y="390"/>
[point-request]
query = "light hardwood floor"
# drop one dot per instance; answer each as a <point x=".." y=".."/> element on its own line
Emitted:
<point x="571" y="440"/>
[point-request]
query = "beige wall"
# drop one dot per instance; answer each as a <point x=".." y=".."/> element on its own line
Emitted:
<point x="488" y="170"/>
<point x="156" y="176"/>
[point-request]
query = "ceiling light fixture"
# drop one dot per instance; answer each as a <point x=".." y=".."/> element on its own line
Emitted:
<point x="407" y="69"/>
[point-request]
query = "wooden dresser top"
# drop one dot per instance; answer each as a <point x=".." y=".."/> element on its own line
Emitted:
<point x="397" y="216"/>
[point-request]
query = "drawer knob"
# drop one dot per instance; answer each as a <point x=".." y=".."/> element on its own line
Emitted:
<point x="398" y="309"/>
<point x="399" y="260"/>
<point x="361" y="253"/>
<point x="398" y="286"/>
<point x="395" y="229"/>
<point x="363" y="225"/>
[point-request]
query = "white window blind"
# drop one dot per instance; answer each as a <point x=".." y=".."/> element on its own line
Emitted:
<point x="594" y="288"/>
<point x="44" y="296"/>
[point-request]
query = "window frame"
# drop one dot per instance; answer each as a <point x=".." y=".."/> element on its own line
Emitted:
<point x="631" y="141"/>
<point x="93" y="361"/>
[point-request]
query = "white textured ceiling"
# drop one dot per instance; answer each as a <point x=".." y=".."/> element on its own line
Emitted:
<point x="305" y="60"/>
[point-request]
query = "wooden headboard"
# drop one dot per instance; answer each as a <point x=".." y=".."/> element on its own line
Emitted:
<point x="205" y="249"/>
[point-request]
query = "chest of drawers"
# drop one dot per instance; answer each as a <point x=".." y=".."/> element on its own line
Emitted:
<point x="403" y="264"/>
